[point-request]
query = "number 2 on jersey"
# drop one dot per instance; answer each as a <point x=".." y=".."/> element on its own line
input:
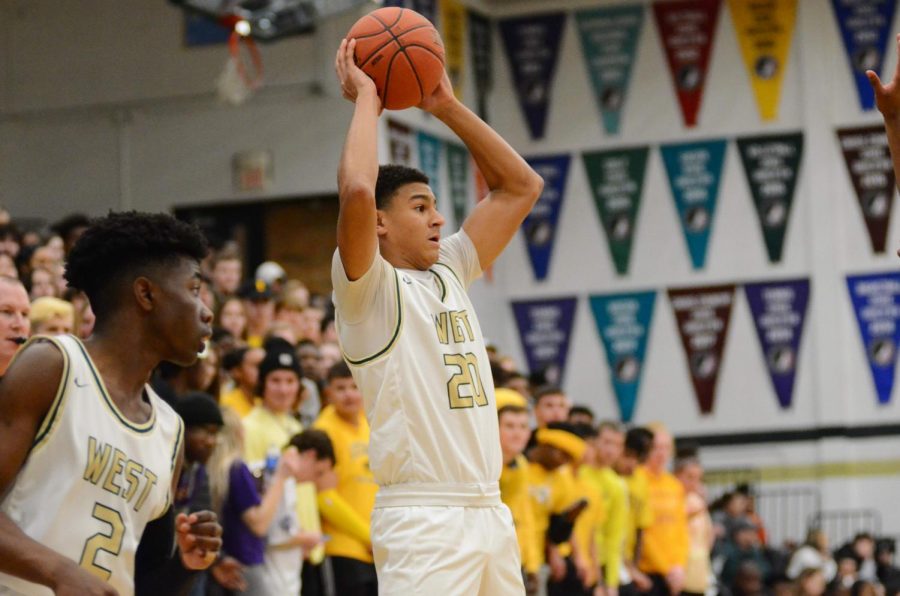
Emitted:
<point x="110" y="543"/>
<point x="467" y="380"/>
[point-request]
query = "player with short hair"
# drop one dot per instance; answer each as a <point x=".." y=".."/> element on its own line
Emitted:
<point x="90" y="453"/>
<point x="412" y="339"/>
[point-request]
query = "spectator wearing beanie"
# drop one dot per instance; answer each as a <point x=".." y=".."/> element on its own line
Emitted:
<point x="202" y="422"/>
<point x="270" y="425"/>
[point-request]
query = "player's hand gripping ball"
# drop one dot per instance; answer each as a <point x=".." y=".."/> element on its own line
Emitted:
<point x="402" y="52"/>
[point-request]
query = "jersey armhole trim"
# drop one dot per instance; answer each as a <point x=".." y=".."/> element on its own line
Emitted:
<point x="393" y="341"/>
<point x="440" y="281"/>
<point x="48" y="424"/>
<point x="452" y="272"/>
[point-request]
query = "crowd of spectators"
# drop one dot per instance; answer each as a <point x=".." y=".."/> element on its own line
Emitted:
<point x="276" y="443"/>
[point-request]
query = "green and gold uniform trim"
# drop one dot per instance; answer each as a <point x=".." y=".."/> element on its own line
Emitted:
<point x="393" y="341"/>
<point x="132" y="426"/>
<point x="441" y="282"/>
<point x="452" y="272"/>
<point x="53" y="414"/>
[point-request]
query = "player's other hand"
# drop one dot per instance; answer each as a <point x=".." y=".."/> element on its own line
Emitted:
<point x="887" y="97"/>
<point x="441" y="97"/>
<point x="199" y="538"/>
<point x="354" y="82"/>
<point x="72" y="580"/>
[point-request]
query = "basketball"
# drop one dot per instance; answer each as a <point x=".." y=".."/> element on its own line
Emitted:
<point x="402" y="52"/>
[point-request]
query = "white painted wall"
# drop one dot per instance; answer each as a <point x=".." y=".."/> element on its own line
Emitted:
<point x="101" y="107"/>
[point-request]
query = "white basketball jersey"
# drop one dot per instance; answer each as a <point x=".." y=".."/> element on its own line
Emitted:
<point x="93" y="479"/>
<point x="417" y="353"/>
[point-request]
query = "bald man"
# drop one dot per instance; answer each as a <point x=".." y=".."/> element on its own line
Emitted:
<point x="14" y="325"/>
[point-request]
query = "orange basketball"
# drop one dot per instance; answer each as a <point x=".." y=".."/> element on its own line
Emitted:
<point x="402" y="52"/>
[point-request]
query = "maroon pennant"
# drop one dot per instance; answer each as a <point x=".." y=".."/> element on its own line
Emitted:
<point x="703" y="315"/>
<point x="686" y="28"/>
<point x="869" y="163"/>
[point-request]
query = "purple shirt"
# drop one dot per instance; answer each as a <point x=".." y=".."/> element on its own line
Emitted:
<point x="237" y="539"/>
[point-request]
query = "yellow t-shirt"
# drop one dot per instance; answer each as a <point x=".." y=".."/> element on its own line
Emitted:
<point x="266" y="431"/>
<point x="236" y="399"/>
<point x="639" y="514"/>
<point x="587" y="526"/>
<point x="514" y="485"/>
<point x="551" y="493"/>
<point x="665" y="542"/>
<point x="348" y="526"/>
<point x="610" y="538"/>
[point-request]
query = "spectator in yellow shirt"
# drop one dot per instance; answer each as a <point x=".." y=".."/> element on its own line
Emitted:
<point x="243" y="366"/>
<point x="638" y="442"/>
<point x="666" y="542"/>
<point x="512" y="413"/>
<point x="610" y="536"/>
<point x="346" y="510"/>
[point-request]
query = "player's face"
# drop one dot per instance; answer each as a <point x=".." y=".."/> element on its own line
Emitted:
<point x="609" y="444"/>
<point x="182" y="319"/>
<point x="514" y="432"/>
<point x="412" y="225"/>
<point x="345" y="396"/>
<point x="14" y="325"/>
<point x="281" y="390"/>
<point x="552" y="408"/>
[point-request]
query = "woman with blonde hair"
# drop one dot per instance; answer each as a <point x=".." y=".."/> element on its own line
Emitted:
<point x="245" y="517"/>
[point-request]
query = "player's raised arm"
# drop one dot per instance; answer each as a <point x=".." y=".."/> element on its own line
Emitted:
<point x="26" y="394"/>
<point x="514" y="186"/>
<point x="887" y="98"/>
<point x="358" y="170"/>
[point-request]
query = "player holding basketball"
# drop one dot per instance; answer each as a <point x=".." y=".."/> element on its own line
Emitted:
<point x="411" y="337"/>
<point x="89" y="453"/>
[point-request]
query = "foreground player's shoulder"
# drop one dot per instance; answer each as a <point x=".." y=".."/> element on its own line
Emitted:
<point x="35" y="377"/>
<point x="459" y="258"/>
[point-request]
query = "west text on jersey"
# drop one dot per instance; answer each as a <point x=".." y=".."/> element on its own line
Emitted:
<point x="112" y="470"/>
<point x="453" y="325"/>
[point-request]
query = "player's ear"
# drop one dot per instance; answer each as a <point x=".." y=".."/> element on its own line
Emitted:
<point x="380" y="222"/>
<point x="144" y="293"/>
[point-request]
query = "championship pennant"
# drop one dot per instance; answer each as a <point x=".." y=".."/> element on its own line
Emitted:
<point x="865" y="25"/>
<point x="482" y="50"/>
<point x="532" y="46"/>
<point x="617" y="179"/>
<point x="779" y="310"/>
<point x="609" y="39"/>
<point x="703" y="315"/>
<point x="545" y="328"/>
<point x="458" y="175"/>
<point x="430" y="161"/>
<point x="764" y="30"/>
<point x="453" y="25"/>
<point x="771" y="164"/>
<point x="687" y="28"/>
<point x="876" y="302"/>
<point x="539" y="228"/>
<point x="623" y="322"/>
<point x="869" y="165"/>
<point x="694" y="170"/>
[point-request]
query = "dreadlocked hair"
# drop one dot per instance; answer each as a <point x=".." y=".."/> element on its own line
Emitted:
<point x="116" y="248"/>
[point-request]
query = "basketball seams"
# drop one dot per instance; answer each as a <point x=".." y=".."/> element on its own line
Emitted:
<point x="386" y="26"/>
<point x="426" y="48"/>
<point x="394" y="38"/>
